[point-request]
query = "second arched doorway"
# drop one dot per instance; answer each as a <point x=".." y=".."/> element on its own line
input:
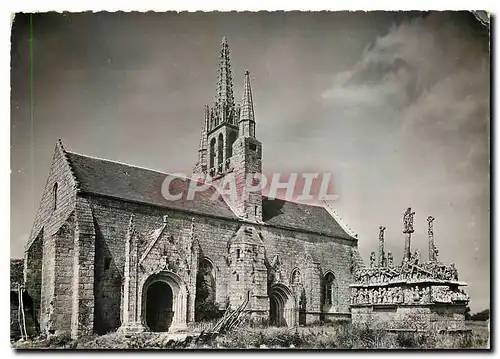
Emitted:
<point x="281" y="306"/>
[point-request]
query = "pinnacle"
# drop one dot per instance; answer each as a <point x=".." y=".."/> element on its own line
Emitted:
<point x="247" y="112"/>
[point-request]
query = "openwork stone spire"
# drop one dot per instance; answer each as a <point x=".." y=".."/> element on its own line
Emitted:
<point x="247" y="115"/>
<point x="224" y="98"/>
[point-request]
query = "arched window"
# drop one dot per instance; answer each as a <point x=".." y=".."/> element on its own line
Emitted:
<point x="231" y="139"/>
<point x="220" y="151"/>
<point x="54" y="197"/>
<point x="330" y="289"/>
<point x="212" y="153"/>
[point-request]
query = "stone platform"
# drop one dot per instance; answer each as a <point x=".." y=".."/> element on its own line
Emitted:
<point x="430" y="317"/>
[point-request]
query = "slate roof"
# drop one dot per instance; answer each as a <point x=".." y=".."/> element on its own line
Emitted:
<point x="138" y="184"/>
<point x="16" y="273"/>
<point x="301" y="216"/>
<point x="118" y="180"/>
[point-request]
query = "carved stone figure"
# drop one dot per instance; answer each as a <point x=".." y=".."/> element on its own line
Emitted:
<point x="372" y="260"/>
<point x="361" y="297"/>
<point x="277" y="276"/>
<point x="430" y="231"/>
<point x="383" y="295"/>
<point x="276" y="265"/>
<point x="415" y="258"/>
<point x="393" y="296"/>
<point x="418" y="256"/>
<point x="436" y="252"/>
<point x="441" y="294"/>
<point x="390" y="259"/>
<point x="454" y="272"/>
<point x="354" y="293"/>
<point x="164" y="264"/>
<point x="296" y="278"/>
<point x="408" y="221"/>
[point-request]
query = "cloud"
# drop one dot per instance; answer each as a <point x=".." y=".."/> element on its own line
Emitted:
<point x="431" y="75"/>
<point x="417" y="104"/>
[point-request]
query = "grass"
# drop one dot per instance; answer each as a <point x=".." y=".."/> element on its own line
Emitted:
<point x="333" y="336"/>
<point x="348" y="336"/>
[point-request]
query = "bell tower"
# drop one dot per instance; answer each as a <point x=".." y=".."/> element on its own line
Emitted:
<point x="247" y="160"/>
<point x="220" y="128"/>
<point x="228" y="146"/>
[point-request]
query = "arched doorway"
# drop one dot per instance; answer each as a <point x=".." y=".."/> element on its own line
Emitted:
<point x="281" y="306"/>
<point x="159" y="311"/>
<point x="164" y="302"/>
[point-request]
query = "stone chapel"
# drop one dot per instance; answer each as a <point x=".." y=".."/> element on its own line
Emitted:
<point x="107" y="251"/>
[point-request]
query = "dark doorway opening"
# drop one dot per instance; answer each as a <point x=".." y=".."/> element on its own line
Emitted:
<point x="159" y="312"/>
<point x="273" y="311"/>
<point x="281" y="306"/>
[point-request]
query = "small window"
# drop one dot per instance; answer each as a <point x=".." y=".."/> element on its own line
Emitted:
<point x="107" y="263"/>
<point x="255" y="210"/>
<point x="54" y="196"/>
<point x="330" y="289"/>
<point x="237" y="277"/>
<point x="253" y="147"/>
<point x="238" y="253"/>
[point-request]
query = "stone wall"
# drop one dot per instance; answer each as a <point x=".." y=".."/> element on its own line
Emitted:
<point x="83" y="274"/>
<point x="214" y="237"/>
<point x="56" y="293"/>
<point x="80" y="276"/>
<point x="112" y="218"/>
<point x="329" y="254"/>
<point x="411" y="318"/>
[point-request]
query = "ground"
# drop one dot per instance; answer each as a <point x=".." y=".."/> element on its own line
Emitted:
<point x="334" y="336"/>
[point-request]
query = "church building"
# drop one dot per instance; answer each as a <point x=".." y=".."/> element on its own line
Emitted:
<point x="108" y="251"/>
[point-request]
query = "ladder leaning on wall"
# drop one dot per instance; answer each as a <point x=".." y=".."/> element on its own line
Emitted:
<point x="21" y="317"/>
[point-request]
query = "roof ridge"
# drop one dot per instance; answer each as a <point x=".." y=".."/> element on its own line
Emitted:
<point x="121" y="163"/>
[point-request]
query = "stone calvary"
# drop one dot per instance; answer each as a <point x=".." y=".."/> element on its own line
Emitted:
<point x="415" y="294"/>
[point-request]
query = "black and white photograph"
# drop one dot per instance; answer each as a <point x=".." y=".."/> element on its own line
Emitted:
<point x="224" y="180"/>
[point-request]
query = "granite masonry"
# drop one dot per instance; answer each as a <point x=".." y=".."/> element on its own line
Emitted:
<point x="108" y="252"/>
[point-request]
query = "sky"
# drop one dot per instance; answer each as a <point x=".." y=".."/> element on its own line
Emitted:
<point x="394" y="104"/>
